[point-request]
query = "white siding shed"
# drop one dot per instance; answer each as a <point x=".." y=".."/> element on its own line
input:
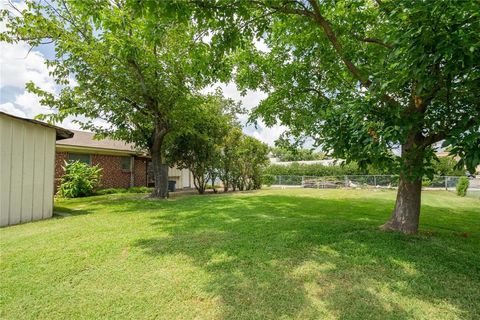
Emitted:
<point x="27" y="161"/>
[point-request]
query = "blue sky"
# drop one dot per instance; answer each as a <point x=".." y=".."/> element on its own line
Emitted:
<point x="19" y="66"/>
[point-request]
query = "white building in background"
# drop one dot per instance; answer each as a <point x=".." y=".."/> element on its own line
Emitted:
<point x="326" y="162"/>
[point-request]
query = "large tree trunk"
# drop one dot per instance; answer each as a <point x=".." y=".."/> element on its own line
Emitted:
<point x="160" y="169"/>
<point x="406" y="214"/>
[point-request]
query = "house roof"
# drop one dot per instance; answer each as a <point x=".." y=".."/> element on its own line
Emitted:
<point x="61" y="133"/>
<point x="86" y="140"/>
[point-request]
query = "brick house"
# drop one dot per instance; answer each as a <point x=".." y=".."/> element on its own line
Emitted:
<point x="122" y="165"/>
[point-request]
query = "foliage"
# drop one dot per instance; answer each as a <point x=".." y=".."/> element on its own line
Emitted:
<point x="215" y="147"/>
<point x="113" y="64"/>
<point x="268" y="179"/>
<point x="199" y="148"/>
<point x="228" y="168"/>
<point x="386" y="74"/>
<point x="249" y="164"/>
<point x="79" y="180"/>
<point x="299" y="154"/>
<point x="447" y="166"/>
<point x="244" y="256"/>
<point x="284" y="150"/>
<point x="462" y="186"/>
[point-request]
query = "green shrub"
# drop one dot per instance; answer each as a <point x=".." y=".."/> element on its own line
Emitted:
<point x="426" y="182"/>
<point x="79" y="180"/>
<point x="268" y="179"/>
<point x="462" y="186"/>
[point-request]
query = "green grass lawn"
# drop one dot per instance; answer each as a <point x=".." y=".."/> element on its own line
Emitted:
<point x="276" y="254"/>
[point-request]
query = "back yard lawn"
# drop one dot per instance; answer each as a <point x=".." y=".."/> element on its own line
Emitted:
<point x="277" y="254"/>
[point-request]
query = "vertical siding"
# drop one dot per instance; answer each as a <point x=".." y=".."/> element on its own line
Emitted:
<point x="38" y="174"/>
<point x="16" y="173"/>
<point x="27" y="173"/>
<point x="5" y="166"/>
<point x="49" y="173"/>
<point x="27" y="159"/>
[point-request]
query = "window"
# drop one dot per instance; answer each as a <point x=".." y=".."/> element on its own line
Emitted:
<point x="85" y="158"/>
<point x="126" y="163"/>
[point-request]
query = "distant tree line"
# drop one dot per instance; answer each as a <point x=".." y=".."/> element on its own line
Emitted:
<point x="444" y="166"/>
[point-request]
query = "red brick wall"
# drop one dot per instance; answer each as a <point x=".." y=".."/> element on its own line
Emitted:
<point x="140" y="169"/>
<point x="112" y="174"/>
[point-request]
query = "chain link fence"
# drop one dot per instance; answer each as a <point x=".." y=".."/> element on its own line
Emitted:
<point x="360" y="181"/>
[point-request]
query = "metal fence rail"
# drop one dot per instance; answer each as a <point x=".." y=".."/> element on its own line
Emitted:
<point x="360" y="181"/>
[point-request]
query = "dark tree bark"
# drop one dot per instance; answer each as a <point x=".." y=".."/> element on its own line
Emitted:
<point x="213" y="184"/>
<point x="160" y="169"/>
<point x="406" y="213"/>
<point x="199" y="182"/>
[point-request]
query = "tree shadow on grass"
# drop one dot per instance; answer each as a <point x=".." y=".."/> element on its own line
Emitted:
<point x="60" y="212"/>
<point x="280" y="256"/>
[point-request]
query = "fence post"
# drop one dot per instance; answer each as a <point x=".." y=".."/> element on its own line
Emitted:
<point x="375" y="181"/>
<point x="446" y="183"/>
<point x="346" y="181"/>
<point x="303" y="181"/>
<point x="280" y="180"/>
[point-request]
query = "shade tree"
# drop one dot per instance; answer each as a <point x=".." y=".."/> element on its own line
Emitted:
<point x="115" y="64"/>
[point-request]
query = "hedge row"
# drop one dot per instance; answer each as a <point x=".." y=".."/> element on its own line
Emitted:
<point x="443" y="167"/>
<point x="296" y="169"/>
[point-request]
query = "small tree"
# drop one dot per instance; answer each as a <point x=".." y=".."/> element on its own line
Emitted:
<point x="251" y="160"/>
<point x="229" y="157"/>
<point x="198" y="148"/>
<point x="79" y="180"/>
<point x="462" y="186"/>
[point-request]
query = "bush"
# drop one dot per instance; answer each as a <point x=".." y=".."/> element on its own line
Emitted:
<point x="269" y="179"/>
<point x="79" y="180"/>
<point x="462" y="186"/>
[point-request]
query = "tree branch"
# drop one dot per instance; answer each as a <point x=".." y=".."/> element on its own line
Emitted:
<point x="138" y="72"/>
<point x="374" y="41"/>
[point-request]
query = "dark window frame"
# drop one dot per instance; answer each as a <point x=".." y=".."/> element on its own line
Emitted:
<point x="80" y="154"/>
<point x="129" y="163"/>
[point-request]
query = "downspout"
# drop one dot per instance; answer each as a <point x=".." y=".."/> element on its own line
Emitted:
<point x="132" y="175"/>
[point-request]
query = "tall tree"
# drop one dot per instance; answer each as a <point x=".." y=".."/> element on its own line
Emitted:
<point x="364" y="77"/>
<point x="112" y="63"/>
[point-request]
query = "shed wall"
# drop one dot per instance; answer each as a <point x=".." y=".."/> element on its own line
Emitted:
<point x="27" y="160"/>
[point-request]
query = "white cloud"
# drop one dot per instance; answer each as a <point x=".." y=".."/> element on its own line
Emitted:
<point x="249" y="101"/>
<point x="268" y="134"/>
<point x="19" y="66"/>
<point x="11" y="109"/>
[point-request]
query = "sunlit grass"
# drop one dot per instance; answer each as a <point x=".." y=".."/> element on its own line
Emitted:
<point x="277" y="254"/>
